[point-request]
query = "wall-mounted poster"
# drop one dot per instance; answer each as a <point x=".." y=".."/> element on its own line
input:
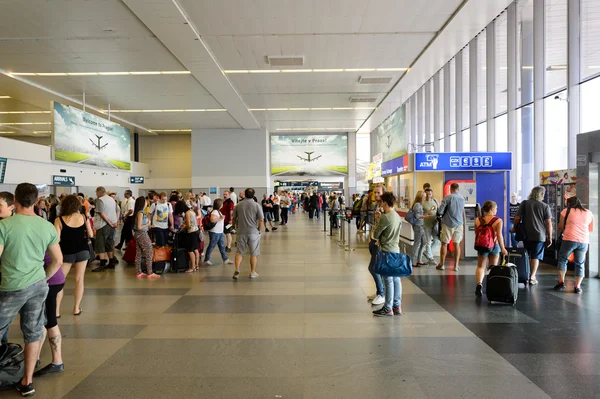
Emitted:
<point x="391" y="135"/>
<point x="88" y="139"/>
<point x="325" y="155"/>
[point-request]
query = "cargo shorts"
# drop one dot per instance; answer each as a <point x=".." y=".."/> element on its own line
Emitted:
<point x="248" y="242"/>
<point x="30" y="302"/>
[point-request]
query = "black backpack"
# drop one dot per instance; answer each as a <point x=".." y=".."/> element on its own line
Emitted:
<point x="12" y="365"/>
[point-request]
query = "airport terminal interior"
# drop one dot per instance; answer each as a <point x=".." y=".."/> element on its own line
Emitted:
<point x="299" y="199"/>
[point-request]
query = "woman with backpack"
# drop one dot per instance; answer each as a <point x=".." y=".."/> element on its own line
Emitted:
<point x="216" y="233"/>
<point x="489" y="242"/>
<point x="576" y="224"/>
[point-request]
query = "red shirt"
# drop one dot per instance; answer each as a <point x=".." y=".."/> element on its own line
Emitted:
<point x="226" y="210"/>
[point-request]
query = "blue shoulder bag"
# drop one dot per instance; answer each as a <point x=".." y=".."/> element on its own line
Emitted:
<point x="393" y="264"/>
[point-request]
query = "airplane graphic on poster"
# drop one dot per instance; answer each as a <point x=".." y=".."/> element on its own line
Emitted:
<point x="98" y="146"/>
<point x="309" y="159"/>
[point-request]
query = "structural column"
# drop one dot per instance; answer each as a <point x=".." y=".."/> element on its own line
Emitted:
<point x="574" y="77"/>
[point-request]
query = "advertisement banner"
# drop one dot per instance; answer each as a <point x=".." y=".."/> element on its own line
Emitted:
<point x="566" y="176"/>
<point x="87" y="139"/>
<point x="398" y="165"/>
<point x="391" y="135"/>
<point x="2" y="169"/>
<point x="473" y="161"/>
<point x="325" y="155"/>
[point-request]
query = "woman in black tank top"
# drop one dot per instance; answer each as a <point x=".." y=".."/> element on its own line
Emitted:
<point x="75" y="232"/>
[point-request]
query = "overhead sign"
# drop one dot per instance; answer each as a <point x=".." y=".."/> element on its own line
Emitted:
<point x="63" y="180"/>
<point x="398" y="165"/>
<point x="452" y="161"/>
<point x="3" y="162"/>
<point x="136" y="179"/>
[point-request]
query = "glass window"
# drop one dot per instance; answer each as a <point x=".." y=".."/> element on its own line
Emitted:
<point x="452" y="142"/>
<point x="482" y="137"/>
<point x="590" y="103"/>
<point x="452" y="97"/>
<point x="465" y="88"/>
<point x="523" y="162"/>
<point x="481" y="76"/>
<point x="363" y="159"/>
<point x="556" y="132"/>
<point x="501" y="133"/>
<point x="590" y="38"/>
<point x="440" y="107"/>
<point x="466" y="140"/>
<point x="501" y="67"/>
<point x="442" y="144"/>
<point x="432" y="113"/>
<point x="525" y="51"/>
<point x="556" y="44"/>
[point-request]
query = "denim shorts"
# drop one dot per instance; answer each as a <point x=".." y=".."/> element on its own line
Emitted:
<point x="535" y="249"/>
<point x="30" y="302"/>
<point x="494" y="251"/>
<point x="81" y="256"/>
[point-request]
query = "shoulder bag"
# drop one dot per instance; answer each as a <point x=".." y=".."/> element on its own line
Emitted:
<point x="411" y="217"/>
<point x="393" y="264"/>
<point x="559" y="240"/>
<point x="520" y="234"/>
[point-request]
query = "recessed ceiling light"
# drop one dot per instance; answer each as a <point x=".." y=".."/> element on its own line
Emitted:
<point x="116" y="73"/>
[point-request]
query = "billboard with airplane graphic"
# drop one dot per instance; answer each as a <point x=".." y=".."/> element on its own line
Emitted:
<point x="314" y="155"/>
<point x="391" y="136"/>
<point x="88" y="139"/>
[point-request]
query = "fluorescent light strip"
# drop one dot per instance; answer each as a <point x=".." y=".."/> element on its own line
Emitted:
<point x="4" y="97"/>
<point x="246" y="71"/>
<point x="23" y="112"/>
<point x="23" y="123"/>
<point x="122" y="111"/>
<point x="314" y="109"/>
<point x="6" y="132"/>
<point x="42" y="131"/>
<point x="170" y="130"/>
<point x="100" y="73"/>
<point x="304" y="129"/>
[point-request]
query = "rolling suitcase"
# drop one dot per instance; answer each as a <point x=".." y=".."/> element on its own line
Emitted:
<point x="129" y="255"/>
<point x="520" y="258"/>
<point x="180" y="261"/>
<point x="503" y="284"/>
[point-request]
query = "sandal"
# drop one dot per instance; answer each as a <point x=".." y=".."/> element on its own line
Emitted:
<point x="80" y="312"/>
<point x="140" y="275"/>
<point x="533" y="281"/>
<point x="153" y="276"/>
<point x="457" y="269"/>
<point x="190" y="270"/>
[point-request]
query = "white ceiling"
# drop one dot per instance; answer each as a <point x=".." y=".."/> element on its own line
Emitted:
<point x="206" y="37"/>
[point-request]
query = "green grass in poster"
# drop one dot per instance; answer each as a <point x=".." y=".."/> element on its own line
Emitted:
<point x="339" y="169"/>
<point x="120" y="164"/>
<point x="280" y="169"/>
<point x="70" y="156"/>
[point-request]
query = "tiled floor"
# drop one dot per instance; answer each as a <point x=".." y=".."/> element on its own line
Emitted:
<point x="304" y="330"/>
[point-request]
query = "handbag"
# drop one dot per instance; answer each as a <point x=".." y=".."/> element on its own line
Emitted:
<point x="520" y="234"/>
<point x="392" y="264"/>
<point x="559" y="240"/>
<point x="411" y="217"/>
<point x="162" y="254"/>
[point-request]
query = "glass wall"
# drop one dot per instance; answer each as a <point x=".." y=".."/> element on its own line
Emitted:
<point x="465" y="88"/>
<point x="481" y="137"/>
<point x="590" y="106"/>
<point x="590" y="38"/>
<point x="501" y="67"/>
<point x="525" y="51"/>
<point x="452" y="104"/>
<point x="556" y="132"/>
<point x="555" y="24"/>
<point x="482" y="76"/>
<point x="501" y="133"/>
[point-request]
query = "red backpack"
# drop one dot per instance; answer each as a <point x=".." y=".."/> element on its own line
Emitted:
<point x="485" y="237"/>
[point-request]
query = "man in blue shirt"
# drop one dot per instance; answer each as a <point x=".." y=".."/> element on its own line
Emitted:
<point x="452" y="210"/>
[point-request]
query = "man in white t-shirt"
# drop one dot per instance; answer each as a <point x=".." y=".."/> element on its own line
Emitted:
<point x="162" y="218"/>
<point x="105" y="224"/>
<point x="233" y="195"/>
<point x="127" y="206"/>
<point x="284" y="203"/>
<point x="216" y="234"/>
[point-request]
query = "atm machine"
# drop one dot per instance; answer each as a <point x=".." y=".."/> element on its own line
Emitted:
<point x="472" y="212"/>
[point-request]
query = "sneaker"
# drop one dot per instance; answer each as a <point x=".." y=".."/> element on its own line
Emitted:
<point x="479" y="290"/>
<point x="577" y="290"/>
<point x="208" y="263"/>
<point x="560" y="286"/>
<point x="50" y="369"/>
<point x="378" y="300"/>
<point x="229" y="262"/>
<point x="440" y="267"/>
<point x="383" y="312"/>
<point x="274" y="228"/>
<point x="236" y="274"/>
<point x="266" y="230"/>
<point x="253" y="275"/>
<point x="114" y="261"/>
<point x="397" y="311"/>
<point x="26" y="390"/>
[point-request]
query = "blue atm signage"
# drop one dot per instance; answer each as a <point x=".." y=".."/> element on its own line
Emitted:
<point x="453" y="161"/>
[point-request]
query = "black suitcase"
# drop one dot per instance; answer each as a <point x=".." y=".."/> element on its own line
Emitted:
<point x="160" y="267"/>
<point x="503" y="285"/>
<point x="520" y="257"/>
<point x="180" y="261"/>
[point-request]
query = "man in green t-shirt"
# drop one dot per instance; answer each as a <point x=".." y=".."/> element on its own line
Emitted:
<point x="24" y="240"/>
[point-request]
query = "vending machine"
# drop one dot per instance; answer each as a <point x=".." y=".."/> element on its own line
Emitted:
<point x="560" y="185"/>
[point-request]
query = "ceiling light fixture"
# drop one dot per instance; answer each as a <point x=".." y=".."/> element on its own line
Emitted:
<point x="120" y="111"/>
<point x="304" y="129"/>
<point x="6" y="132"/>
<point x="99" y="73"/>
<point x="23" y="123"/>
<point x="169" y="130"/>
<point x="4" y="97"/>
<point x="42" y="131"/>
<point x="314" y="109"/>
<point x="23" y="112"/>
<point x="245" y="71"/>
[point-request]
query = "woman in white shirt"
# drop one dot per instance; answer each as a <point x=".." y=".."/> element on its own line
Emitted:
<point x="162" y="218"/>
<point x="217" y="238"/>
